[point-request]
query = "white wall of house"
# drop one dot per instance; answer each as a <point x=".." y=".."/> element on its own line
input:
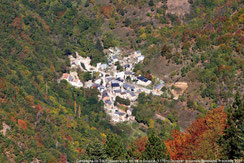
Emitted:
<point x="120" y="75"/>
<point x="129" y="112"/>
<point x="144" y="83"/>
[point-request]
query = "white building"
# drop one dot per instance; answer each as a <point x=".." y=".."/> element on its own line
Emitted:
<point x="140" y="58"/>
<point x="104" y="66"/>
<point x="129" y="111"/>
<point x="114" y="59"/>
<point x="73" y="79"/>
<point x="120" y="75"/>
<point x="131" y="96"/>
<point x="98" y="81"/>
<point x="158" y="87"/>
<point x="119" y="116"/>
<point x="136" y="54"/>
<point x="143" y="81"/>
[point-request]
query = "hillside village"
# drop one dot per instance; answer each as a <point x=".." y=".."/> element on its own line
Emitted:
<point x="113" y="83"/>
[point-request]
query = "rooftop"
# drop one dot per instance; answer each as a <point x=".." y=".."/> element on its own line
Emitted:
<point x="142" y="79"/>
<point x="65" y="76"/>
<point x="159" y="86"/>
<point x="126" y="86"/>
<point x="119" y="79"/>
<point x="105" y="93"/>
<point x="132" y="94"/>
<point x="117" y="91"/>
<point x="108" y="102"/>
<point x="131" y="109"/>
<point x="95" y="85"/>
<point x="119" y="113"/>
<point x="115" y="84"/>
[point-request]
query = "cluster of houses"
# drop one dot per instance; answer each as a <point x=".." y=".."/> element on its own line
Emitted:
<point x="113" y="83"/>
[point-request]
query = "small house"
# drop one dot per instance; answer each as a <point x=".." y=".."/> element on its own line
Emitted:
<point x="108" y="102"/>
<point x="104" y="93"/>
<point x="120" y="116"/>
<point x="95" y="85"/>
<point x="129" y="87"/>
<point x="143" y="81"/>
<point x="115" y="85"/>
<point x="98" y="81"/>
<point x="111" y="50"/>
<point x="105" y="98"/>
<point x="117" y="92"/>
<point x="140" y="58"/>
<point x="131" y="95"/>
<point x="120" y="80"/>
<point x="127" y="67"/>
<point x="114" y="59"/>
<point x="77" y="83"/>
<point x="108" y="79"/>
<point x="158" y="87"/>
<point x="136" y="54"/>
<point x="71" y="78"/>
<point x="122" y="95"/>
<point x="129" y="111"/>
<point x="120" y="75"/>
<point x="128" y="74"/>
<point x="104" y="66"/>
<point x="65" y="76"/>
<point x="101" y="88"/>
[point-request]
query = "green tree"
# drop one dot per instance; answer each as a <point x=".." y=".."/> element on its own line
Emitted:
<point x="233" y="139"/>
<point x="127" y="22"/>
<point x="151" y="3"/>
<point x="143" y="113"/>
<point x="114" y="147"/>
<point x="109" y="40"/>
<point x="155" y="148"/>
<point x="87" y="76"/>
<point x="122" y="101"/>
<point x="119" y="67"/>
<point x="96" y="151"/>
<point x="98" y="45"/>
<point x="112" y="23"/>
<point x="87" y="4"/>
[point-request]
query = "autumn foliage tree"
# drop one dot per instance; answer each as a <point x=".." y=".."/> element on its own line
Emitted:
<point x="200" y="141"/>
<point x="22" y="124"/>
<point x="137" y="148"/>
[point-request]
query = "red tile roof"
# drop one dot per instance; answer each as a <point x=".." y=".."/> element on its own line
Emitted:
<point x="65" y="76"/>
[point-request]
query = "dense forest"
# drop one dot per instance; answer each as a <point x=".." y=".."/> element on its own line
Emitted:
<point x="43" y="120"/>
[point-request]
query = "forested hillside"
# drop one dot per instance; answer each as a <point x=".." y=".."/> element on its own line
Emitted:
<point x="203" y="45"/>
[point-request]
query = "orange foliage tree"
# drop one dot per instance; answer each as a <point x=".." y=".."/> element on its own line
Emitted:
<point x="137" y="148"/>
<point x="200" y="141"/>
<point x="140" y="144"/>
<point x="22" y="124"/>
<point x="107" y="11"/>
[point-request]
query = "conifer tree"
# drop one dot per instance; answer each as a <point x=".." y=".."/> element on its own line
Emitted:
<point x="114" y="147"/>
<point x="96" y="151"/>
<point x="233" y="138"/>
<point x="155" y="148"/>
<point x="151" y="3"/>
